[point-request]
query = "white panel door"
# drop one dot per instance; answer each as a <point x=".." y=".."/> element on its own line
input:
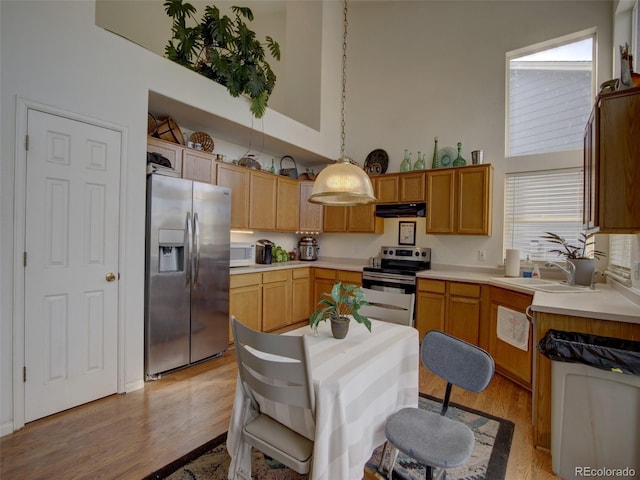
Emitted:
<point x="71" y="241"/>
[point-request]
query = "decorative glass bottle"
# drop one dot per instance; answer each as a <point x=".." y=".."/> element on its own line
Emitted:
<point x="273" y="166"/>
<point x="405" y="166"/>
<point x="459" y="161"/>
<point x="435" y="163"/>
<point x="419" y="165"/>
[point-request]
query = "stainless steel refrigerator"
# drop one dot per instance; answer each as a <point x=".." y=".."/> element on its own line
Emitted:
<point x="187" y="273"/>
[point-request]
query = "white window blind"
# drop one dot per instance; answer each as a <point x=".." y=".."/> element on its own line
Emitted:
<point x="620" y="257"/>
<point x="539" y="202"/>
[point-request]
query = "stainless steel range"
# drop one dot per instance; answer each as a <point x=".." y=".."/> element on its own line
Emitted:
<point x="398" y="268"/>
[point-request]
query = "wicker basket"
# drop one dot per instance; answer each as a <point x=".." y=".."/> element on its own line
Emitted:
<point x="170" y="131"/>
<point x="152" y="124"/>
<point x="203" y="139"/>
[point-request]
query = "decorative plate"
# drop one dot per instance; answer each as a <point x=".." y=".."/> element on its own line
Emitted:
<point x="377" y="162"/>
<point x="447" y="155"/>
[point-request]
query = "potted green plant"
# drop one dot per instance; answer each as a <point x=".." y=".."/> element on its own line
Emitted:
<point x="342" y="304"/>
<point x="223" y="49"/>
<point x="584" y="265"/>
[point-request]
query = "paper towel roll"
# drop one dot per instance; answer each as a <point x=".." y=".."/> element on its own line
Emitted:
<point x="512" y="263"/>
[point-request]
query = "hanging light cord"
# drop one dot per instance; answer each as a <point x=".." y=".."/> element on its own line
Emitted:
<point x="344" y="81"/>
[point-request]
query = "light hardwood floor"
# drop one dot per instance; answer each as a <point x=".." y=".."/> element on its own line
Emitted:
<point x="130" y="436"/>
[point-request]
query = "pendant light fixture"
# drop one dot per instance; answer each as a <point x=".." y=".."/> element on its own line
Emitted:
<point x="343" y="183"/>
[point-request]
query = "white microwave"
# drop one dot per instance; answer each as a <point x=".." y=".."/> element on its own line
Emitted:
<point x="242" y="254"/>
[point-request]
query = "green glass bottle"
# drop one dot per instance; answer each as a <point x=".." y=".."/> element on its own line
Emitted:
<point x="273" y="166"/>
<point x="419" y="165"/>
<point x="435" y="163"/>
<point x="459" y="161"/>
<point x="405" y="166"/>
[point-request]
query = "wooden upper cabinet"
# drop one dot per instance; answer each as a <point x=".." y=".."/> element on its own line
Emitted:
<point x="198" y="165"/>
<point x="400" y="187"/>
<point x="311" y="214"/>
<point x="612" y="163"/>
<point x="263" y="200"/>
<point x="287" y="204"/>
<point x="362" y="219"/>
<point x="335" y="219"/>
<point x="237" y="179"/>
<point x="171" y="151"/>
<point x="459" y="200"/>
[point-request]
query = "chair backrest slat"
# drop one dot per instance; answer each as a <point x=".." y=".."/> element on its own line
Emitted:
<point x="389" y="306"/>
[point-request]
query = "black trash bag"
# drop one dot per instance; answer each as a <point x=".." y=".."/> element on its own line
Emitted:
<point x="606" y="353"/>
<point x="153" y="157"/>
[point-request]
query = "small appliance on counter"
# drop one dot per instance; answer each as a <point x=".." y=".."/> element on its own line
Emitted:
<point x="308" y="248"/>
<point x="242" y="254"/>
<point x="264" y="250"/>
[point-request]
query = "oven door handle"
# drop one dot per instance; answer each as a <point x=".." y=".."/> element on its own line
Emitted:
<point x="389" y="277"/>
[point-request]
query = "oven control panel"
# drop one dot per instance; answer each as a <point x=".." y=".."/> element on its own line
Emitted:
<point x="420" y="254"/>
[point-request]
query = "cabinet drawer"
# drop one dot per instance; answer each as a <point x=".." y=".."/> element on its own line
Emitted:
<point x="275" y="276"/>
<point x="349" y="277"/>
<point x="301" y="273"/>
<point x="324" y="273"/>
<point x="244" y="280"/>
<point x="464" y="289"/>
<point x="435" y="286"/>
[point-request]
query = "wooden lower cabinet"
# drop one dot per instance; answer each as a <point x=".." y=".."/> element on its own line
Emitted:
<point x="276" y="299"/>
<point x="301" y="294"/>
<point x="325" y="278"/>
<point x="453" y="307"/>
<point x="512" y="362"/>
<point x="245" y="300"/>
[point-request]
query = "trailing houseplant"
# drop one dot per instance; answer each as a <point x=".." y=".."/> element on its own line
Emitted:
<point x="339" y="306"/>
<point x="223" y="49"/>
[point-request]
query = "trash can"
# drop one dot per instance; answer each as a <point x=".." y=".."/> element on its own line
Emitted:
<point x="595" y="405"/>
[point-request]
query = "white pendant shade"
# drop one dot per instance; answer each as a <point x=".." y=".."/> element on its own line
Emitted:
<point x="342" y="184"/>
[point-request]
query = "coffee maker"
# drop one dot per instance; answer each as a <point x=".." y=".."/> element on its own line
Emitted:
<point x="308" y="248"/>
<point x="264" y="250"/>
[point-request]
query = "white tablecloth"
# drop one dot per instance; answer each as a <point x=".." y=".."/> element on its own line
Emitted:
<point x="359" y="381"/>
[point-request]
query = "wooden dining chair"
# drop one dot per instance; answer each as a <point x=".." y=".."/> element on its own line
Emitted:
<point x="277" y="368"/>
<point x="389" y="306"/>
<point x="433" y="439"/>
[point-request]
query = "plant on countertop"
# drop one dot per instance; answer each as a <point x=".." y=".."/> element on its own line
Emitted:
<point x="224" y="50"/>
<point x="574" y="252"/>
<point x="344" y="300"/>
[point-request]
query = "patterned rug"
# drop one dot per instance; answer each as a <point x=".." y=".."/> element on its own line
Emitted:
<point x="488" y="461"/>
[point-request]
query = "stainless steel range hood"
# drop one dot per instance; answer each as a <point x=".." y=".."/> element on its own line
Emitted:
<point x="402" y="210"/>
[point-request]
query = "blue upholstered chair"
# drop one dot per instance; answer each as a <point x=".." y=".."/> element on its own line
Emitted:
<point x="433" y="439"/>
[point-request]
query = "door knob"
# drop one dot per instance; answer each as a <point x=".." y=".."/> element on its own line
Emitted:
<point x="110" y="277"/>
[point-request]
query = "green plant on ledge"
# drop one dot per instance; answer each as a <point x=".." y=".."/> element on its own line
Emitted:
<point x="344" y="300"/>
<point x="573" y="252"/>
<point x="223" y="49"/>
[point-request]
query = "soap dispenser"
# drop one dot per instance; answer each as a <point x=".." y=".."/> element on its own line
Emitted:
<point x="528" y="268"/>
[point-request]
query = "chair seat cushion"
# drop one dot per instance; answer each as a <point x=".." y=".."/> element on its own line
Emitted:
<point x="430" y="438"/>
<point x="279" y="442"/>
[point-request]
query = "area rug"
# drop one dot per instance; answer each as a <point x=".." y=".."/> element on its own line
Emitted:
<point x="488" y="461"/>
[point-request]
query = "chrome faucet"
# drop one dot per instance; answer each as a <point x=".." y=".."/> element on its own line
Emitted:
<point x="570" y="272"/>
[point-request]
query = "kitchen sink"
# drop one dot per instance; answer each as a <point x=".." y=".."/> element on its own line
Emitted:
<point x="547" y="286"/>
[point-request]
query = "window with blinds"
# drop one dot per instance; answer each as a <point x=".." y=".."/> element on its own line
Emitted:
<point x="620" y="257"/>
<point x="539" y="202"/>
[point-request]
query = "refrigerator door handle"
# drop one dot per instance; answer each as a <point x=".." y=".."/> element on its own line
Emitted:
<point x="189" y="249"/>
<point x="196" y="241"/>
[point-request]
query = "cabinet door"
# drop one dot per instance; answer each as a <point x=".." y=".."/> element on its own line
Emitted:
<point x="386" y="188"/>
<point x="170" y="151"/>
<point x="474" y="185"/>
<point x="323" y="281"/>
<point x="311" y="214"/>
<point x="362" y="219"/>
<point x="237" y="179"/>
<point x="262" y="204"/>
<point x="412" y="187"/>
<point x="245" y="303"/>
<point x="199" y="166"/>
<point x="287" y="205"/>
<point x="463" y="318"/>
<point x="430" y="311"/>
<point x="301" y="294"/>
<point x="335" y="219"/>
<point x="618" y="164"/>
<point x="511" y="361"/>
<point x="440" y="201"/>
<point x="276" y="299"/>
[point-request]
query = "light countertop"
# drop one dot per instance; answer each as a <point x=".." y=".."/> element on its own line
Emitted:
<point x="608" y="302"/>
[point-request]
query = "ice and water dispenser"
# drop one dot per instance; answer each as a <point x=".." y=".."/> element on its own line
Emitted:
<point x="171" y="250"/>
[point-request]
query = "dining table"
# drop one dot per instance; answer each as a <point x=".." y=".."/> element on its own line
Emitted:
<point x="359" y="381"/>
